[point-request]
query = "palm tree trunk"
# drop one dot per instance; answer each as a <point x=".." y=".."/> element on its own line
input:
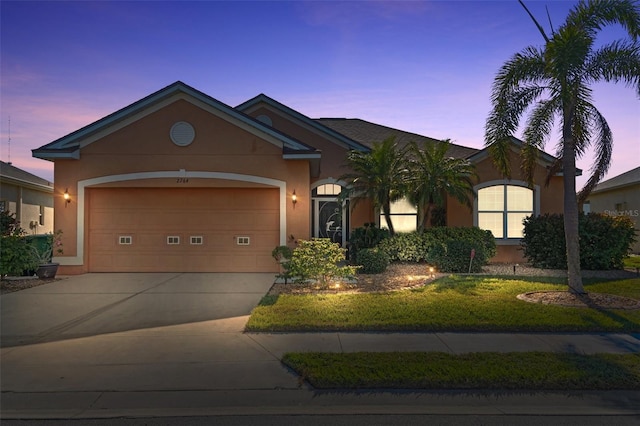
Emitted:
<point x="421" y="216"/>
<point x="571" y="234"/>
<point x="386" y="210"/>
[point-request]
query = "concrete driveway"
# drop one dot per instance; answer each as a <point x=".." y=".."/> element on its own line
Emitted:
<point x="95" y="304"/>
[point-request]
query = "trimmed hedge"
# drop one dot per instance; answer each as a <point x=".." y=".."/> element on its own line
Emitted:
<point x="448" y="249"/>
<point x="604" y="241"/>
<point x="372" y="260"/>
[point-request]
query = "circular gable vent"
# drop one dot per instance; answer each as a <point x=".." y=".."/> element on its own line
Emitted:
<point x="182" y="133"/>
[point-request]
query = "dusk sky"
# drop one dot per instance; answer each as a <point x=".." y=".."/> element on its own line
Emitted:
<point x="421" y="66"/>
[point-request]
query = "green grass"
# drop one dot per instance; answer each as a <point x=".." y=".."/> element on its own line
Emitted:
<point x="436" y="370"/>
<point x="454" y="303"/>
<point x="632" y="262"/>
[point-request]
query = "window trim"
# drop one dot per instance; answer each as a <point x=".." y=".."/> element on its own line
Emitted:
<point x="505" y="182"/>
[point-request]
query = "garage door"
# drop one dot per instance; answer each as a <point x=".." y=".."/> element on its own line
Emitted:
<point x="182" y="230"/>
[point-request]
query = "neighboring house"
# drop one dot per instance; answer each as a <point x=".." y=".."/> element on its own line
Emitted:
<point x="179" y="181"/>
<point x="618" y="196"/>
<point x="27" y="196"/>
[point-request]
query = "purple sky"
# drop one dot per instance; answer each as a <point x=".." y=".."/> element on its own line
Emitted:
<point x="423" y="67"/>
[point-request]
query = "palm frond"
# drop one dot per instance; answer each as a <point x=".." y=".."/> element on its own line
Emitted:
<point x="616" y="62"/>
<point x="592" y="16"/>
<point x="603" y="144"/>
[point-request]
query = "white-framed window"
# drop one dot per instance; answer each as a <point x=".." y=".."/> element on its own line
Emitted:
<point x="404" y="216"/>
<point x="196" y="240"/>
<point x="243" y="241"/>
<point x="125" y="240"/>
<point x="173" y="240"/>
<point x="500" y="207"/>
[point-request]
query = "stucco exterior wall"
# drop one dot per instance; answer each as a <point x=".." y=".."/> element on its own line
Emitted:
<point x="144" y="147"/>
<point x="333" y="155"/>
<point x="546" y="200"/>
<point x="33" y="208"/>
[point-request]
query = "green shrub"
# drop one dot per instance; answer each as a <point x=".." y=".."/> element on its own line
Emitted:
<point x="16" y="255"/>
<point x="402" y="247"/>
<point x="318" y="259"/>
<point x="372" y="260"/>
<point x="448" y="249"/>
<point x="367" y="236"/>
<point x="281" y="253"/>
<point x="456" y="257"/>
<point x="604" y="241"/>
<point x="452" y="248"/>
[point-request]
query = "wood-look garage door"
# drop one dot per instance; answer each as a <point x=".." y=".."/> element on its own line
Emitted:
<point x="182" y="230"/>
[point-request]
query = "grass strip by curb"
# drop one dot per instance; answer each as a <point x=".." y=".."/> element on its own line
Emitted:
<point x="485" y="370"/>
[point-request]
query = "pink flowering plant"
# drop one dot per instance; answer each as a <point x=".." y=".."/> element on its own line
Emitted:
<point x="52" y="247"/>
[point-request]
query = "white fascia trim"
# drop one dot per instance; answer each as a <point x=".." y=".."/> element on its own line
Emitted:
<point x="83" y="184"/>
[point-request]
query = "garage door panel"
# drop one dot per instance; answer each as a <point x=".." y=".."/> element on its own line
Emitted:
<point x="150" y="215"/>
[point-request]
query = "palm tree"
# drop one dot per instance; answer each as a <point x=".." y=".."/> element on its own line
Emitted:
<point x="379" y="175"/>
<point x="433" y="176"/>
<point x="554" y="81"/>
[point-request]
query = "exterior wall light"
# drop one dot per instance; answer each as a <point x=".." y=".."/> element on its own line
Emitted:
<point x="294" y="198"/>
<point x="67" y="197"/>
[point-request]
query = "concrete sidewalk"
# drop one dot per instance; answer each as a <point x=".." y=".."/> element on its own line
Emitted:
<point x="146" y="345"/>
<point x="212" y="367"/>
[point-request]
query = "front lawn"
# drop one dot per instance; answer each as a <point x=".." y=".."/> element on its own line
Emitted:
<point x="453" y="303"/>
<point x="487" y="370"/>
<point x="632" y="262"/>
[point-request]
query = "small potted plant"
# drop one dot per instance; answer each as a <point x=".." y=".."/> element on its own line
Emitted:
<point x="43" y="255"/>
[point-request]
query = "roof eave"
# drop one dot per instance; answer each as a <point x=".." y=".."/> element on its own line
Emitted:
<point x="72" y="153"/>
<point x="27" y="184"/>
<point x="303" y="118"/>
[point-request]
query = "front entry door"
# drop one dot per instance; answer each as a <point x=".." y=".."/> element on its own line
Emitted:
<point x="329" y="220"/>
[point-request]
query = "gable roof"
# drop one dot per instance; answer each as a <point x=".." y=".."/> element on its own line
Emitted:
<point x="366" y="133"/>
<point x="69" y="146"/>
<point x="315" y="124"/>
<point x="632" y="177"/>
<point x="11" y="174"/>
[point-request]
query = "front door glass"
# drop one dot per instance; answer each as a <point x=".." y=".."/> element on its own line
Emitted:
<point x="329" y="220"/>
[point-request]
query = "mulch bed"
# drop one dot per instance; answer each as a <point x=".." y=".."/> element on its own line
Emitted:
<point x="588" y="300"/>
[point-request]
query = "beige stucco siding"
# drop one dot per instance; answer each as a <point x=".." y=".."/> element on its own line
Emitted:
<point x="33" y="208"/>
<point x="224" y="154"/>
<point x="333" y="155"/>
<point x="549" y="200"/>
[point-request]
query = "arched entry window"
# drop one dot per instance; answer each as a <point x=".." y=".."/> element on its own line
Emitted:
<point x="501" y="209"/>
<point x="330" y="216"/>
